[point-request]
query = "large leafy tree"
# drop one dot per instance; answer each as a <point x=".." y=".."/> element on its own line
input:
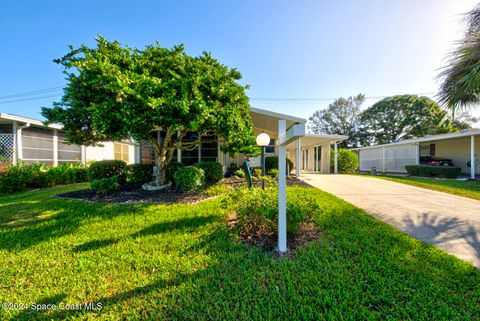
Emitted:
<point x="340" y="118"/>
<point x="460" y="88"/>
<point x="115" y="92"/>
<point x="402" y="117"/>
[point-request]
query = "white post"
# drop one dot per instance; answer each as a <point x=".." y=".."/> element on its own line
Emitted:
<point x="19" y="146"/>
<point x="472" y="157"/>
<point x="335" y="158"/>
<point x="179" y="155"/>
<point x="384" y="169"/>
<point x="282" y="190"/>
<point x="55" y="147"/>
<point x="15" y="153"/>
<point x="83" y="150"/>
<point x="417" y="155"/>
<point x="297" y="157"/>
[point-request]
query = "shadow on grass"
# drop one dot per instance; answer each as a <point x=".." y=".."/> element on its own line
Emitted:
<point x="183" y="224"/>
<point x="31" y="218"/>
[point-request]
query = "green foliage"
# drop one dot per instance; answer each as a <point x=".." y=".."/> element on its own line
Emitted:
<point x="171" y="169"/>
<point x="15" y="179"/>
<point x="271" y="162"/>
<point x="189" y="178"/>
<point x="257" y="172"/>
<point x="347" y="161"/>
<point x="67" y="173"/>
<point x="240" y="173"/>
<point x="116" y="92"/>
<point x="433" y="171"/>
<point x="257" y="210"/>
<point x="138" y="173"/>
<point x="218" y="189"/>
<point x="106" y="169"/>
<point x="342" y="117"/>
<point x="103" y="186"/>
<point x="213" y="171"/>
<point x="402" y="117"/>
<point x="273" y="172"/>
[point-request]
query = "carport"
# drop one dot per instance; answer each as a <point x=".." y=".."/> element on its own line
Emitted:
<point x="463" y="148"/>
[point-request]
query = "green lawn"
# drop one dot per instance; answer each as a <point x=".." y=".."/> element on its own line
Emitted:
<point x="180" y="262"/>
<point x="469" y="189"/>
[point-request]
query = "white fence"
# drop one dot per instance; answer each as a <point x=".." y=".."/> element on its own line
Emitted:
<point x="6" y="148"/>
<point x="392" y="158"/>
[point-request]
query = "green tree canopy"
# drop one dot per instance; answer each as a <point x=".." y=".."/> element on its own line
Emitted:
<point x="340" y="118"/>
<point x="115" y="92"/>
<point x="402" y="117"/>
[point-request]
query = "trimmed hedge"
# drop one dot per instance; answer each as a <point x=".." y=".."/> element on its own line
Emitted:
<point x="139" y="173"/>
<point x="347" y="161"/>
<point x="171" y="169"/>
<point x="271" y="162"/>
<point x="107" y="169"/>
<point x="213" y="171"/>
<point x="104" y="186"/>
<point x="189" y="178"/>
<point x="433" y="171"/>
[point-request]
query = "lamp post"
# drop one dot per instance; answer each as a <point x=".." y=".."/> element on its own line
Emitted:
<point x="263" y="140"/>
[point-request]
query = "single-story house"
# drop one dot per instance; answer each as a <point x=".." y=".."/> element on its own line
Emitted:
<point x="27" y="139"/>
<point x="462" y="148"/>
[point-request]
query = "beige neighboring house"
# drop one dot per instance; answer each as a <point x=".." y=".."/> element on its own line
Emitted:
<point x="27" y="139"/>
<point x="462" y="148"/>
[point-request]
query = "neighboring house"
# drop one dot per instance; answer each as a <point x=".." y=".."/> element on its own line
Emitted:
<point x="463" y="148"/>
<point x="29" y="140"/>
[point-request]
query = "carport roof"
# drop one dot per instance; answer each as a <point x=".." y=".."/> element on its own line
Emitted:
<point x="425" y="139"/>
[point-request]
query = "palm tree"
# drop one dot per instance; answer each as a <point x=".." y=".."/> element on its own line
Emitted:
<point x="460" y="88"/>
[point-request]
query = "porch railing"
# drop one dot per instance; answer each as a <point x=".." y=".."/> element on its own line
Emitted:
<point x="6" y="148"/>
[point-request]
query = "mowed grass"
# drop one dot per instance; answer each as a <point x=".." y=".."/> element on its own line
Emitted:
<point x="469" y="189"/>
<point x="180" y="262"/>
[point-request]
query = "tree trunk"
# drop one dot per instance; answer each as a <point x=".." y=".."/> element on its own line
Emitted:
<point x="164" y="152"/>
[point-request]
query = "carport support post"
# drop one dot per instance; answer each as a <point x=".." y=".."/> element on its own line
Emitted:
<point x="297" y="157"/>
<point x="472" y="157"/>
<point x="335" y="158"/>
<point x="282" y="189"/>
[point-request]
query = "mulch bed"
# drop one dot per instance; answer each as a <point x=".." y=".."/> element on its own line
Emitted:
<point x="134" y="194"/>
<point x="307" y="232"/>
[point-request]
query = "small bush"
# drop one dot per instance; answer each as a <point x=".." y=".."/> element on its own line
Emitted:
<point x="15" y="178"/>
<point x="138" y="173"/>
<point x="107" y="169"/>
<point x="213" y="171"/>
<point x="271" y="162"/>
<point x="273" y="172"/>
<point x="240" y="173"/>
<point x="218" y="189"/>
<point x="257" y="210"/>
<point x="189" y="178"/>
<point x="171" y="169"/>
<point x="347" y="161"/>
<point x="104" y="186"/>
<point x="257" y="172"/>
<point x="433" y="171"/>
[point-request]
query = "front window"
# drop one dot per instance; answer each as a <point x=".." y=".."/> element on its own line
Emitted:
<point x="121" y="152"/>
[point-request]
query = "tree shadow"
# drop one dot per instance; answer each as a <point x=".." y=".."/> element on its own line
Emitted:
<point x="31" y="219"/>
<point x="183" y="224"/>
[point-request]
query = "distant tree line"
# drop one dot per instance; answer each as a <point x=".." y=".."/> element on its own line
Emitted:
<point x="389" y="120"/>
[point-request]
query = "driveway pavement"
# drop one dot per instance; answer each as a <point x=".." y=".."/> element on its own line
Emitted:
<point x="450" y="222"/>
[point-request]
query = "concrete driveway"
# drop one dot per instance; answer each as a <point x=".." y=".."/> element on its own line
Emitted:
<point x="450" y="222"/>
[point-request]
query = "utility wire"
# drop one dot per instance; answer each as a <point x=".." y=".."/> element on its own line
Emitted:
<point x="32" y="93"/>
<point x="18" y="100"/>
<point x="266" y="99"/>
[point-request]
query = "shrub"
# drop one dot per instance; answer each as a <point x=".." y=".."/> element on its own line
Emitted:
<point x="79" y="174"/>
<point x="218" y="189"/>
<point x="213" y="171"/>
<point x="106" y="169"/>
<point x="347" y="161"/>
<point x="433" y="171"/>
<point x="104" y="186"/>
<point x="273" y="172"/>
<point x="240" y="173"/>
<point x="257" y="210"/>
<point x="257" y="172"/>
<point x="171" y="169"/>
<point x="15" y="178"/>
<point x="189" y="178"/>
<point x="139" y="173"/>
<point x="271" y="162"/>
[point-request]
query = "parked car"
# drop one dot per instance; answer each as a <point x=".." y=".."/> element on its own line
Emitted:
<point x="435" y="161"/>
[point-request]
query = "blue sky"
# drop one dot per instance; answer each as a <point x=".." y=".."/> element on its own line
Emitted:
<point x="284" y="49"/>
